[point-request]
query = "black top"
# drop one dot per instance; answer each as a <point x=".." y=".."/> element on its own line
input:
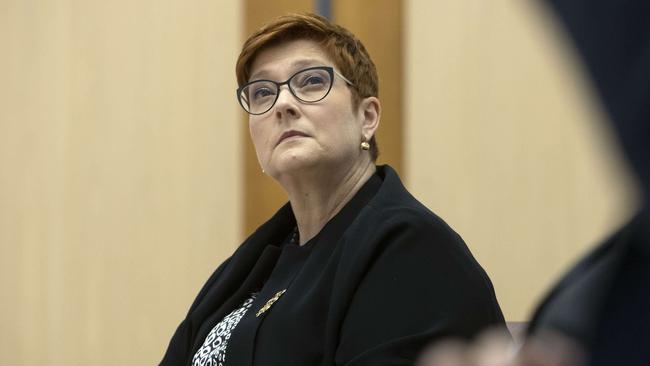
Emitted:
<point x="384" y="277"/>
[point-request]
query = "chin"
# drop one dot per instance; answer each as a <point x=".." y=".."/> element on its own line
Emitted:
<point x="292" y="162"/>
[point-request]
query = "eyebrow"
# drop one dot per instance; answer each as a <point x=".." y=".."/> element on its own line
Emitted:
<point x="296" y="66"/>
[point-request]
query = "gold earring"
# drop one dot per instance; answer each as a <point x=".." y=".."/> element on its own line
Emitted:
<point x="365" y="145"/>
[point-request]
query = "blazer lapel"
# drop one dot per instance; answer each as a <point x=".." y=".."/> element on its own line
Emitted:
<point x="248" y="268"/>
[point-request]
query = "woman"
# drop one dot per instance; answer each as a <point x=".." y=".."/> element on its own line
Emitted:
<point x="353" y="270"/>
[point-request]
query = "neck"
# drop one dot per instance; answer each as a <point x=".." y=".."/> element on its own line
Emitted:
<point x="316" y="198"/>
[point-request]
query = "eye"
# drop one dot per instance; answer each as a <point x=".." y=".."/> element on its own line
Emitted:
<point x="261" y="92"/>
<point x="313" y="80"/>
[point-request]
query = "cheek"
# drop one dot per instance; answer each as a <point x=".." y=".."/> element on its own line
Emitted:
<point x="345" y="127"/>
<point x="345" y="119"/>
<point x="258" y="136"/>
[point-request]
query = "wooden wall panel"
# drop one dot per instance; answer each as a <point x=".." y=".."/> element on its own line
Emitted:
<point x="263" y="196"/>
<point x="378" y="24"/>
<point x="120" y="178"/>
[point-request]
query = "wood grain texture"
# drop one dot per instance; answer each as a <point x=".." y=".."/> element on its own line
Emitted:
<point x="119" y="173"/>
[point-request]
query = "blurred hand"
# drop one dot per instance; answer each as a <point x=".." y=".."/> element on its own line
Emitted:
<point x="495" y="348"/>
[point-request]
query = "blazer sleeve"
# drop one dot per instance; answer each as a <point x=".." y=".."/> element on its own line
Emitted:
<point x="422" y="285"/>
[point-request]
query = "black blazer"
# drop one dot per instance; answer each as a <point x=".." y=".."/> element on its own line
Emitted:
<point x="384" y="277"/>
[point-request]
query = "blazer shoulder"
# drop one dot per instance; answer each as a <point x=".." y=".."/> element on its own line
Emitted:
<point x="395" y="207"/>
<point x="407" y="215"/>
<point x="402" y="227"/>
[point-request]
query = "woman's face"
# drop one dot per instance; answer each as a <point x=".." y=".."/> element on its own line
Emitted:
<point x="294" y="136"/>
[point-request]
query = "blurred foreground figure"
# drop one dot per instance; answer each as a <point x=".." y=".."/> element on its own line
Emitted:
<point x="599" y="313"/>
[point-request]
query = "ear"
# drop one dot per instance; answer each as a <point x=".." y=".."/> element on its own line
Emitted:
<point x="370" y="114"/>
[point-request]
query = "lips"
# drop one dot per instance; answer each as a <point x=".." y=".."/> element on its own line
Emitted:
<point x="290" y="133"/>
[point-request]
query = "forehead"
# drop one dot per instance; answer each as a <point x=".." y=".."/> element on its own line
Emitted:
<point x="285" y="58"/>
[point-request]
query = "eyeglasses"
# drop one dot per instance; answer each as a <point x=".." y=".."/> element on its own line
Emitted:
<point x="310" y="85"/>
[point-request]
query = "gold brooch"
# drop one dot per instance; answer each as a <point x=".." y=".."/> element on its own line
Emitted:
<point x="270" y="303"/>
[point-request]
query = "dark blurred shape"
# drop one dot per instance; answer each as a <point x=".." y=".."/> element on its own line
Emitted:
<point x="604" y="301"/>
<point x="613" y="38"/>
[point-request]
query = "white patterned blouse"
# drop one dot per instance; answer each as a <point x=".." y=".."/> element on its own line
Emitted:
<point x="213" y="350"/>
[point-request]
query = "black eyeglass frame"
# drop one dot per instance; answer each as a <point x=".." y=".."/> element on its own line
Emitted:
<point x="330" y="70"/>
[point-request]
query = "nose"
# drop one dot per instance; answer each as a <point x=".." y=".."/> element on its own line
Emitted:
<point x="285" y="105"/>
